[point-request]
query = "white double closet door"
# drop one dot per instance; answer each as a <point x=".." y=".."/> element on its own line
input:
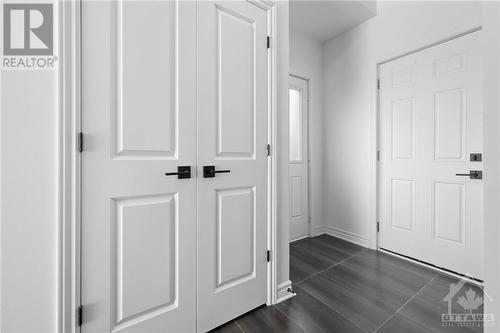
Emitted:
<point x="168" y="84"/>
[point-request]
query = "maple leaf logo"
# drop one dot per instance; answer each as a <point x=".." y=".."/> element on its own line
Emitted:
<point x="470" y="301"/>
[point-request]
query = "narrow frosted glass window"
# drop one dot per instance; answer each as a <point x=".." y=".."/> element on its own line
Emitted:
<point x="295" y="144"/>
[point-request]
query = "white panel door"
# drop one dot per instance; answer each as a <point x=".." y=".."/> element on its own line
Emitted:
<point x="430" y="122"/>
<point x="298" y="158"/>
<point x="139" y="116"/>
<point x="232" y="136"/>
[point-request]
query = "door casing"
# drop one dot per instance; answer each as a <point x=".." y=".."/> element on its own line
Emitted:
<point x="70" y="188"/>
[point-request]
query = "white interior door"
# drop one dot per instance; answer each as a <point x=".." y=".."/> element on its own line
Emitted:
<point x="298" y="159"/>
<point x="139" y="116"/>
<point x="430" y="122"/>
<point x="233" y="136"/>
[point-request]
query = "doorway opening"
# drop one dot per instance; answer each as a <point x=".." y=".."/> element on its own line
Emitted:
<point x="430" y="188"/>
<point x="298" y="157"/>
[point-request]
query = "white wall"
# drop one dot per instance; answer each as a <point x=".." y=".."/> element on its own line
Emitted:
<point x="306" y="61"/>
<point x="350" y="101"/>
<point x="491" y="40"/>
<point x="29" y="201"/>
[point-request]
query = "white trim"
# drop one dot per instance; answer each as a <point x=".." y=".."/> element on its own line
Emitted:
<point x="284" y="292"/>
<point x="69" y="164"/>
<point x="272" y="289"/>
<point x="342" y="234"/>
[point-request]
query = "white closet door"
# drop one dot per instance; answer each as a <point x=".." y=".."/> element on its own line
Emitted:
<point x="298" y="159"/>
<point x="232" y="135"/>
<point x="431" y="121"/>
<point x="139" y="116"/>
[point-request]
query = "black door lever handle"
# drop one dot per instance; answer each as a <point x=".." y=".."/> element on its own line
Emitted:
<point x="209" y="171"/>
<point x="183" y="172"/>
<point x="473" y="174"/>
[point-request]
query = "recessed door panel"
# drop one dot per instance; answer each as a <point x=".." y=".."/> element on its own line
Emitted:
<point x="236" y="84"/>
<point x="449" y="65"/>
<point x="449" y="211"/>
<point x="450" y="124"/>
<point x="146" y="37"/>
<point x="145" y="271"/>
<point x="403" y="204"/>
<point x="403" y="129"/>
<point x="296" y="194"/>
<point x="236" y="225"/>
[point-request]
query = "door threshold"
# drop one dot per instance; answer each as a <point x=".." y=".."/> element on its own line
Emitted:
<point x="434" y="267"/>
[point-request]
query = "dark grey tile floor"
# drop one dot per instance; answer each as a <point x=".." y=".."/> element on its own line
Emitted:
<point x="342" y="287"/>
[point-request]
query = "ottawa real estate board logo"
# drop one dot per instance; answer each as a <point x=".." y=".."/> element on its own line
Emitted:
<point x="28" y="36"/>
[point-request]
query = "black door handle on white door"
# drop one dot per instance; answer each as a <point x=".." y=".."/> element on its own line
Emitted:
<point x="209" y="171"/>
<point x="473" y="174"/>
<point x="183" y="172"/>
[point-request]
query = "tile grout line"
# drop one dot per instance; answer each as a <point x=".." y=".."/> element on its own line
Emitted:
<point x="293" y="321"/>
<point x="408" y="301"/>
<point x="337" y="312"/>
<point x="324" y="270"/>
<point x="238" y="325"/>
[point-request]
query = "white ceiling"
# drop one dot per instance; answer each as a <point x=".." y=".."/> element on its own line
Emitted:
<point x="326" y="19"/>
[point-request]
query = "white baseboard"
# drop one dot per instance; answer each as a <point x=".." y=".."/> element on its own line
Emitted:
<point x="299" y="238"/>
<point x="345" y="235"/>
<point x="284" y="292"/>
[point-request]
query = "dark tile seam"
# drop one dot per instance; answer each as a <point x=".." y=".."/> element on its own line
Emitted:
<point x="324" y="270"/>
<point x="329" y="307"/>
<point x="238" y="325"/>
<point x="408" y="301"/>
<point x="293" y="321"/>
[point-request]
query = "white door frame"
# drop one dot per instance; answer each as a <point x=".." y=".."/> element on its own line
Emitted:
<point x="308" y="143"/>
<point x="69" y="125"/>
<point x="375" y="179"/>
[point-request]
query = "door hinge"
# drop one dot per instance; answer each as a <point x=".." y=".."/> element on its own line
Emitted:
<point x="378" y="155"/>
<point x="378" y="84"/>
<point x="79" y="316"/>
<point x="378" y="226"/>
<point x="268" y="40"/>
<point x="268" y="150"/>
<point x="79" y="142"/>
<point x="268" y="255"/>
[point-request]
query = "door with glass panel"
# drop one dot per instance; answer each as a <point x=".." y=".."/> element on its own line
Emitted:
<point x="298" y="159"/>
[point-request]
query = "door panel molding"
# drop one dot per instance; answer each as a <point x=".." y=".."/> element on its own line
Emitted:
<point x="246" y="267"/>
<point x="164" y="298"/>
<point x="129" y="98"/>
